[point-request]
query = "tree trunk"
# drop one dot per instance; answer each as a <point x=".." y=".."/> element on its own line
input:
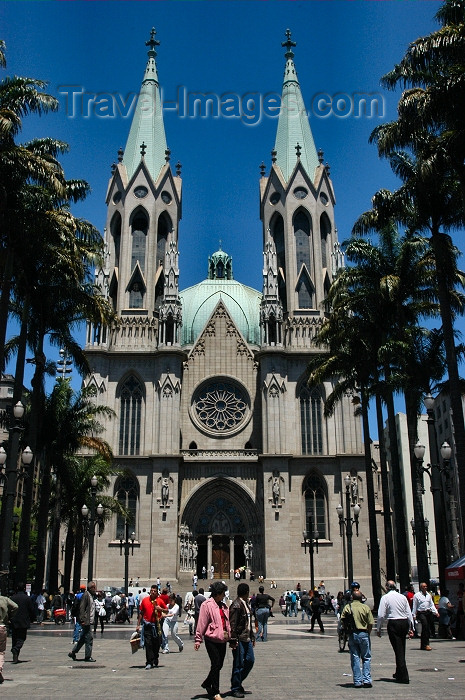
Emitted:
<point x="441" y="245"/>
<point x="418" y="516"/>
<point x="42" y="526"/>
<point x="69" y="551"/>
<point x="403" y="567"/>
<point x="374" y="546"/>
<point x="388" y="536"/>
<point x="78" y="549"/>
<point x="37" y="403"/>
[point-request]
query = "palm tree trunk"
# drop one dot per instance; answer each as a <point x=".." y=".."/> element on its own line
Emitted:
<point x="388" y="537"/>
<point x="42" y="526"/>
<point x="5" y="301"/>
<point x="37" y="403"/>
<point x="69" y="550"/>
<point x="78" y="550"/>
<point x="418" y="516"/>
<point x="53" y="583"/>
<point x="403" y="567"/>
<point x="441" y="244"/>
<point x="374" y="546"/>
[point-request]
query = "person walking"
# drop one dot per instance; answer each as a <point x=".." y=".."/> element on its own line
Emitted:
<point x="423" y="610"/>
<point x="21" y="622"/>
<point x="242" y="640"/>
<point x="315" y="604"/>
<point x="100" y="612"/>
<point x="148" y="623"/>
<point x="263" y="604"/>
<point x="394" y="607"/>
<point x="361" y="619"/>
<point x="213" y="626"/>
<point x="199" y="598"/>
<point x="8" y="608"/>
<point x="445" y="610"/>
<point x="170" y="624"/>
<point x="305" y="605"/>
<point x="86" y="619"/>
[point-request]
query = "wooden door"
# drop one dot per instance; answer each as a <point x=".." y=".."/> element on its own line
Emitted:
<point x="220" y="560"/>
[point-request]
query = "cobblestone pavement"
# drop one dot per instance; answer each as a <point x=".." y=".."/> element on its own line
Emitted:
<point x="294" y="664"/>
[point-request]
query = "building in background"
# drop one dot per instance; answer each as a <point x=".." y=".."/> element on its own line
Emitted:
<point x="226" y="451"/>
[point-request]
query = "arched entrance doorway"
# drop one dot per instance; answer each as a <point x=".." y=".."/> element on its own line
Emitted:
<point x="222" y="522"/>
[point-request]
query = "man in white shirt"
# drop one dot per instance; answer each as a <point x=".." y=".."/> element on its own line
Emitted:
<point x="423" y="609"/>
<point x="394" y="608"/>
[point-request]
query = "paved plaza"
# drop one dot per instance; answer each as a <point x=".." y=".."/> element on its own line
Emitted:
<point x="294" y="664"/>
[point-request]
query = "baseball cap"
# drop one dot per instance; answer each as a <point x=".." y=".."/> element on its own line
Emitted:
<point x="355" y="584"/>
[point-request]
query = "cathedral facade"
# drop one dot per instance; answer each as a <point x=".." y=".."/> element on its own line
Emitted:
<point x="227" y="455"/>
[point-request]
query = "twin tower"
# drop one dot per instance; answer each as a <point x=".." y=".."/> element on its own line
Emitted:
<point x="225" y="454"/>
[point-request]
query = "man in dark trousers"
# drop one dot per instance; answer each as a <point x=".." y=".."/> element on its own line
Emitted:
<point x="199" y="598"/>
<point x="394" y="608"/>
<point x="21" y="622"/>
<point x="242" y="640"/>
<point x="86" y="619"/>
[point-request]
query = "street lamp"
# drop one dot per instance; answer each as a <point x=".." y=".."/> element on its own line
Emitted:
<point x="310" y="538"/>
<point x="126" y="543"/>
<point x="348" y="521"/>
<point x="9" y="479"/>
<point x="90" y="524"/>
<point x="420" y="529"/>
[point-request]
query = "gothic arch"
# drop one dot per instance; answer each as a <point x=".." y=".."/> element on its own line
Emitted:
<point x="139" y="223"/>
<point x="325" y="233"/>
<point x="302" y="228"/>
<point x="115" y="229"/>
<point x="130" y="395"/>
<point x="277" y="235"/>
<point x="311" y="419"/>
<point x="221" y="517"/>
<point x="315" y="498"/>
<point x="127" y="492"/>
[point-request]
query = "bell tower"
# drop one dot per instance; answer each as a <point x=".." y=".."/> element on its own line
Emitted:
<point x="141" y="234"/>
<point x="299" y="235"/>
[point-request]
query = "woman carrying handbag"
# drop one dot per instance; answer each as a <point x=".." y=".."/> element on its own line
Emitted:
<point x="213" y="626"/>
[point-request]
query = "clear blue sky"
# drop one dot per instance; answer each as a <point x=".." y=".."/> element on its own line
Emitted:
<point x="343" y="46"/>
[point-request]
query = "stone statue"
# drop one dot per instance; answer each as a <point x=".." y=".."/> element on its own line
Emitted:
<point x="165" y="491"/>
<point x="276" y="490"/>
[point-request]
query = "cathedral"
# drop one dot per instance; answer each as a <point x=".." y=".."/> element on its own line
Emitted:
<point x="228" y="459"/>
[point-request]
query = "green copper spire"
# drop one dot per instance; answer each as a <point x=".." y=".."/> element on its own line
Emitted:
<point x="147" y="125"/>
<point x="293" y="139"/>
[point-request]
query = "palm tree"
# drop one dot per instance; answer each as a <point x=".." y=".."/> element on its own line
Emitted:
<point x="73" y="424"/>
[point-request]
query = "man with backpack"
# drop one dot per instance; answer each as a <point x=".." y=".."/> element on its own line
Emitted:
<point x="358" y="621"/>
<point x="315" y="605"/>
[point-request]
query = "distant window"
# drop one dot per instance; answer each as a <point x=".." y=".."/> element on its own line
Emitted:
<point x="315" y="494"/>
<point x="311" y="422"/>
<point x="139" y="239"/>
<point x="127" y="495"/>
<point x="302" y="240"/>
<point x="130" y="417"/>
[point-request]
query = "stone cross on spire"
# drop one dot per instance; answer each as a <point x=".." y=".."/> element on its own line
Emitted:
<point x="289" y="44"/>
<point x="152" y="42"/>
<point x="143" y="148"/>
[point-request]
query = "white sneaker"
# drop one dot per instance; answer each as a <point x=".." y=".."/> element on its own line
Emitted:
<point x="165" y="651"/>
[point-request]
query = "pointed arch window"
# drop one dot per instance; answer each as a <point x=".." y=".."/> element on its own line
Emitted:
<point x="311" y="423"/>
<point x="315" y="492"/>
<point x="115" y="228"/>
<point x="127" y="495"/>
<point x="136" y="289"/>
<point x="277" y="234"/>
<point x="305" y="291"/>
<point x="131" y="398"/>
<point x="139" y="230"/>
<point x="302" y="229"/>
<point x="325" y="230"/>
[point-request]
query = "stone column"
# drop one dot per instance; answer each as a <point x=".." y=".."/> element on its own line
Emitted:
<point x="209" y="554"/>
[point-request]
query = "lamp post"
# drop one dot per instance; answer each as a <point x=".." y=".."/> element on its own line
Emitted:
<point x="90" y="524"/>
<point x="419" y="530"/>
<point x="126" y="543"/>
<point x="348" y="521"/>
<point x="10" y="479"/>
<point x="445" y="553"/>
<point x="310" y="538"/>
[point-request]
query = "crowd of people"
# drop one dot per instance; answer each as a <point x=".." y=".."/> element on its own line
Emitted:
<point x="213" y="619"/>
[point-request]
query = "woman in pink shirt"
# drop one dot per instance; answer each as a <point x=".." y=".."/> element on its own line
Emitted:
<point x="213" y="626"/>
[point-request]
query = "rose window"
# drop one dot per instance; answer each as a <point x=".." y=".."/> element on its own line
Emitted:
<point x="220" y="406"/>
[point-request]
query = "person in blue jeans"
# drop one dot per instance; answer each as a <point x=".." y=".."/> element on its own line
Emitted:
<point x="242" y="640"/>
<point x="359" y="639"/>
<point x="263" y="605"/>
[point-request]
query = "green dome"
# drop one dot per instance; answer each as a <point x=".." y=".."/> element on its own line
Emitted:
<point x="199" y="302"/>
